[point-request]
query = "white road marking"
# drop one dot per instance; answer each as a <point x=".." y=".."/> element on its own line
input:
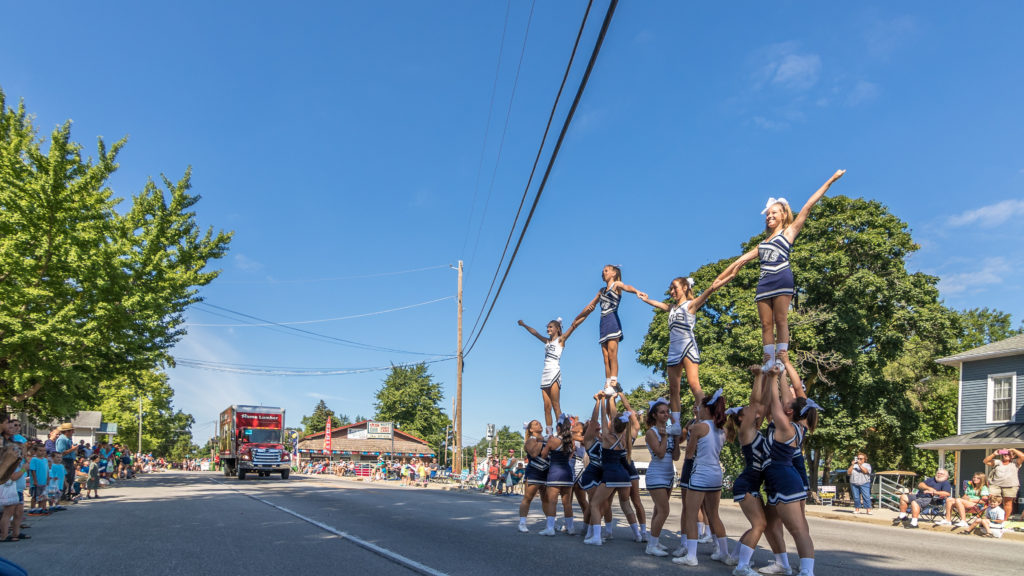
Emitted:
<point x="380" y="551"/>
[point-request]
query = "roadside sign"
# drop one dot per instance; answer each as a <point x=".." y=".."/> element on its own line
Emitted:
<point x="379" y="430"/>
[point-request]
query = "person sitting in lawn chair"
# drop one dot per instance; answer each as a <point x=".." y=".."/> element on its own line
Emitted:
<point x="930" y="492"/>
<point x="991" y="522"/>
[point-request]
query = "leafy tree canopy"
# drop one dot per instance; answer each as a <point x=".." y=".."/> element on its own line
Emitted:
<point x="317" y="421"/>
<point x="411" y="399"/>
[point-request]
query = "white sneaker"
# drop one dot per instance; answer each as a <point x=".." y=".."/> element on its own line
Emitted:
<point x="659" y="545"/>
<point x="942" y="522"/>
<point x="523" y="528"/>
<point x="654" y="550"/>
<point x="775" y="568"/>
<point x="610" y="392"/>
<point x="547" y="532"/>
<point x="685" y="561"/>
<point x="593" y="541"/>
<point x="744" y="571"/>
<point x="725" y="559"/>
<point x="706" y="539"/>
<point x="573" y="532"/>
<point x="644" y="537"/>
<point x="607" y="535"/>
<point x="681" y="551"/>
<point x="960" y="524"/>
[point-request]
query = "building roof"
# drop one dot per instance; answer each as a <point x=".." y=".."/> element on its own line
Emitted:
<point x="1009" y="347"/>
<point x="345" y="444"/>
<point x="87" y="419"/>
<point x="334" y="433"/>
<point x="1005" y="436"/>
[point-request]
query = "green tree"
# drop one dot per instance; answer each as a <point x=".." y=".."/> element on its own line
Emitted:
<point x="317" y="421"/>
<point x="412" y="400"/>
<point x="980" y="326"/>
<point x="505" y="438"/>
<point x="165" y="431"/>
<point x="86" y="293"/>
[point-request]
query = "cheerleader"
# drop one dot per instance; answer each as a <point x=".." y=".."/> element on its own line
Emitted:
<point x="610" y="329"/>
<point x="536" y="471"/>
<point x="705" y="486"/>
<point x="578" y="464"/>
<point x="775" y="287"/>
<point x="661" y="471"/>
<point x="614" y="478"/>
<point x="634" y="474"/>
<point x="590" y="480"/>
<point x="560" y="480"/>
<point x="551" y="376"/>
<point x="743" y="426"/>
<point x="793" y="417"/>
<point x="683" y="353"/>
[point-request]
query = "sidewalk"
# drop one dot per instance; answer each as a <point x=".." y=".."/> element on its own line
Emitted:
<point x="880" y="517"/>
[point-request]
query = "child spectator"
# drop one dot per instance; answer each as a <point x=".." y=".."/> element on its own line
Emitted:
<point x="39" y="473"/>
<point x="93" y="483"/>
<point x="991" y="521"/>
<point x="55" y="484"/>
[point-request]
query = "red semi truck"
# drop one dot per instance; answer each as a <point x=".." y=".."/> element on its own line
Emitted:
<point x="251" y="442"/>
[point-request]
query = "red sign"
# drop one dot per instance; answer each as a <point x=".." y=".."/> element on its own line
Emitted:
<point x="327" y="437"/>
<point x="259" y="421"/>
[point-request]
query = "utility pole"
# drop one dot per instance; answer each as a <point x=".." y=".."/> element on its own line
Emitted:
<point x="140" y="424"/>
<point x="458" y="386"/>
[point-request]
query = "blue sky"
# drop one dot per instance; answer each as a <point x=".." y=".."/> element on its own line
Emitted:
<point x="344" y="141"/>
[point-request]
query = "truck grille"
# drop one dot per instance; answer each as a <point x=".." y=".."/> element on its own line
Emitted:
<point x="266" y="456"/>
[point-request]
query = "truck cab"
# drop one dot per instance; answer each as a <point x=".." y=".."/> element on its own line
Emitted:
<point x="251" y="442"/>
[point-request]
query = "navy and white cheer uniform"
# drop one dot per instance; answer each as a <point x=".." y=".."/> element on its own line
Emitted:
<point x="559" y="470"/>
<point x="707" y="468"/>
<point x="537" y="469"/>
<point x="611" y="328"/>
<point x="630" y="466"/>
<point x="614" y="474"/>
<point x="578" y="465"/>
<point x="593" y="473"/>
<point x="781" y="478"/>
<point x="776" y="276"/>
<point x="755" y="456"/>
<point x="552" y="371"/>
<point x="684" y="477"/>
<point x="681" y="341"/>
<point x="661" y="472"/>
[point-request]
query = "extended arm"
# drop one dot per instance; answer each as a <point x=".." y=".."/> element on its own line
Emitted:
<point x="699" y="301"/>
<point x="656" y="303"/>
<point x="733" y="269"/>
<point x="1018" y="455"/>
<point x="624" y="287"/>
<point x="634" y="422"/>
<point x="595" y="423"/>
<point x="798" y="221"/>
<point x="534" y="332"/>
<point x="794" y="380"/>
<point x="572" y="328"/>
<point x="586" y="310"/>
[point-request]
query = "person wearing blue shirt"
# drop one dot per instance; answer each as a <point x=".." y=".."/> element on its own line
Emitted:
<point x="67" y="449"/>
<point x="39" y="471"/>
<point x="931" y="491"/>
<point x="58" y="476"/>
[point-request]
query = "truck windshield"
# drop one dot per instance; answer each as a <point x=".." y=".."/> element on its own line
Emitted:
<point x="258" y="436"/>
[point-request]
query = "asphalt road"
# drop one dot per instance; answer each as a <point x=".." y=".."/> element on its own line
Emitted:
<point x="204" y="523"/>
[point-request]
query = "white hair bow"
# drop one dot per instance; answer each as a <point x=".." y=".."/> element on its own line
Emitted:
<point x="654" y="404"/>
<point x="715" y="397"/>
<point x="689" y="281"/>
<point x="526" y="426"/>
<point x="625" y="416"/>
<point x="559" y="320"/>
<point x="734" y="410"/>
<point x="810" y="404"/>
<point x="773" y="201"/>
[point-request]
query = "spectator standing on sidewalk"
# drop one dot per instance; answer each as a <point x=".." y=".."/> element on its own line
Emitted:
<point x="65" y="446"/>
<point x="860" y="483"/>
<point x="1004" y="479"/>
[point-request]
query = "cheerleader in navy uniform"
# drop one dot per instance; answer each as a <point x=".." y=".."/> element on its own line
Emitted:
<point x="590" y="480"/>
<point x="776" y="286"/>
<point x="705" y="486"/>
<point x="683" y="353"/>
<point x="661" y="472"/>
<point x="614" y="478"/>
<point x="578" y="464"/>
<point x="640" y="530"/>
<point x="793" y="417"/>
<point x="551" y="376"/>
<point x="536" y="471"/>
<point x="611" y="329"/>
<point x="560" y="479"/>
<point x="743" y="425"/>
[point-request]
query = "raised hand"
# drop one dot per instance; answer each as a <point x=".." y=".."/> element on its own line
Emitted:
<point x="641" y="295"/>
<point x="838" y="175"/>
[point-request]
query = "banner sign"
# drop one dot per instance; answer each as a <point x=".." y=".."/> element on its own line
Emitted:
<point x="357" y="434"/>
<point x="379" y="430"/>
<point x="327" y="437"/>
<point x="260" y="421"/>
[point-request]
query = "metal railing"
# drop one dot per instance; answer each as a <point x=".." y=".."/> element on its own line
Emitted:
<point x="887" y="492"/>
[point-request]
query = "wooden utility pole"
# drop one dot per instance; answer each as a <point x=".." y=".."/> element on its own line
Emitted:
<point x="457" y="469"/>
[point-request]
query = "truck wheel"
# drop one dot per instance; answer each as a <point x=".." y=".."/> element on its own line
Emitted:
<point x="241" y="473"/>
<point x="284" y="475"/>
<point x="227" y="470"/>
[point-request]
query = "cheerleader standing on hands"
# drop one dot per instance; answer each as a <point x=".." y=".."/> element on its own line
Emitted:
<point x="551" y="377"/>
<point x="683" y="353"/>
<point x="536" y="471"/>
<point x="611" y="329"/>
<point x="776" y="286"/>
<point x="661" y="471"/>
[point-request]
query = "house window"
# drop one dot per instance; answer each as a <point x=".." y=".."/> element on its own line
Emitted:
<point x="1001" y="394"/>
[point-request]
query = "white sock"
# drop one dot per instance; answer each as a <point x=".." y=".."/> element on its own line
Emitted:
<point x="595" y="531"/>
<point x="770" y="350"/>
<point x="551" y="522"/>
<point x="902" y="515"/>
<point x="643" y="529"/>
<point x="608" y="527"/>
<point x="635" y="528"/>
<point x="746" y="553"/>
<point x="569" y="524"/>
<point x="590" y="532"/>
<point x="783" y="560"/>
<point x="522" y="520"/>
<point x="700" y="529"/>
<point x="682" y="540"/>
<point x="723" y="545"/>
<point x="808" y="565"/>
<point x="675" y="417"/>
<point x="691" y="549"/>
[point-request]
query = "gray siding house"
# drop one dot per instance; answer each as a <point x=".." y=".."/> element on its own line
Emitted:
<point x="989" y="407"/>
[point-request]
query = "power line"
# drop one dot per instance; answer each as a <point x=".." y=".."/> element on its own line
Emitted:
<point x="487" y="127"/>
<point x="551" y="161"/>
<point x="337" y="278"/>
<point x="256" y="370"/>
<point x="504" y="131"/>
<point x="364" y="315"/>
<point x="533" y="170"/>
<point x="344" y="341"/>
